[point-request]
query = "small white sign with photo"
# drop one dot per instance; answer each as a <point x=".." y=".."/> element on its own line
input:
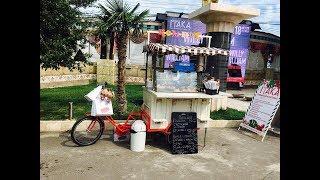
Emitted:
<point x="262" y="108"/>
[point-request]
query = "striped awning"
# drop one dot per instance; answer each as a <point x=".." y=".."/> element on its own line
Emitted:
<point x="174" y="49"/>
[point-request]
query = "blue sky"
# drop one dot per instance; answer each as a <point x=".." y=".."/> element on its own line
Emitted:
<point x="269" y="18"/>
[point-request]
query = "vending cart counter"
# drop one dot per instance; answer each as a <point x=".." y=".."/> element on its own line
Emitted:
<point x="180" y="95"/>
<point x="160" y="105"/>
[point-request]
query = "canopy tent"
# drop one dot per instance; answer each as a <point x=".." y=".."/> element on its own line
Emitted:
<point x="157" y="48"/>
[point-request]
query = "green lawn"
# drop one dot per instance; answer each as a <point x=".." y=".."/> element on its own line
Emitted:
<point x="229" y="114"/>
<point x="54" y="102"/>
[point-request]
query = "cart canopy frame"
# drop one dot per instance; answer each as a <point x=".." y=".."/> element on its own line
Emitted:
<point x="162" y="49"/>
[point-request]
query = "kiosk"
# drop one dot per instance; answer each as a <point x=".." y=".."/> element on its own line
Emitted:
<point x="168" y="91"/>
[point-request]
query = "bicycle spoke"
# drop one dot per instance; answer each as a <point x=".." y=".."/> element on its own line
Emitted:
<point x="87" y="131"/>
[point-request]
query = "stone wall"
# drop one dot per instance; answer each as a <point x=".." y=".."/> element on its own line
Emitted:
<point x="106" y="70"/>
<point x="51" y="78"/>
<point x="135" y="74"/>
<point x="100" y="72"/>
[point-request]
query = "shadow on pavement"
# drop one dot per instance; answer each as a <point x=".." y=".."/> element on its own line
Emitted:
<point x="246" y="132"/>
<point x="273" y="134"/>
<point x="122" y="144"/>
<point x="68" y="143"/>
<point x="154" y="140"/>
<point x="159" y="141"/>
<point x="67" y="139"/>
<point x="108" y="136"/>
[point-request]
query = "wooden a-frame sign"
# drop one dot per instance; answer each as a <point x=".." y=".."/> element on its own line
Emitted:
<point x="262" y="108"/>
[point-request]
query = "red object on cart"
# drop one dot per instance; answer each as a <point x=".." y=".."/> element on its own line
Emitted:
<point x="123" y="129"/>
<point x="235" y="79"/>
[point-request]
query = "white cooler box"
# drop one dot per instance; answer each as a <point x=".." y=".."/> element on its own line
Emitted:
<point x="219" y="102"/>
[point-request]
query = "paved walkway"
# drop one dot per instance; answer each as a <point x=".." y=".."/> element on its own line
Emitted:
<point x="229" y="154"/>
<point x="236" y="103"/>
<point x="246" y="92"/>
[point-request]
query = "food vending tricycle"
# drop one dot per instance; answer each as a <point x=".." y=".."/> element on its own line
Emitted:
<point x="167" y="89"/>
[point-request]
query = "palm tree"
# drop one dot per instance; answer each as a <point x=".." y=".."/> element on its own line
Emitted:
<point x="117" y="17"/>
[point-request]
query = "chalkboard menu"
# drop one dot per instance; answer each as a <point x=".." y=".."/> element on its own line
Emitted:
<point x="184" y="133"/>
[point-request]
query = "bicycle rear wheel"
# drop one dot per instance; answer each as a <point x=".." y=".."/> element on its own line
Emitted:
<point x="87" y="130"/>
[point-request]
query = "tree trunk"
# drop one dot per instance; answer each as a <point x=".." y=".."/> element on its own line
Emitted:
<point x="122" y="42"/>
<point x="103" y="48"/>
<point x="111" y="55"/>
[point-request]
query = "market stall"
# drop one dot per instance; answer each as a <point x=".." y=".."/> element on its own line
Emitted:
<point x="175" y="89"/>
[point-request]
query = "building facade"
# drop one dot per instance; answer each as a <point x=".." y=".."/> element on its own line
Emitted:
<point x="263" y="47"/>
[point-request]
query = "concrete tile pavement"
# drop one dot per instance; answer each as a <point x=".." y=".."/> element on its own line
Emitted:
<point x="229" y="154"/>
<point x="238" y="104"/>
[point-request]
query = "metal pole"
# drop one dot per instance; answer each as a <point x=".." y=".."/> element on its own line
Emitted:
<point x="154" y="64"/>
<point x="70" y="111"/>
<point x="146" y="74"/>
<point x="205" y="135"/>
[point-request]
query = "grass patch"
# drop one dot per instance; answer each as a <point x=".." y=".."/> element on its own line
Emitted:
<point x="54" y="103"/>
<point x="229" y="114"/>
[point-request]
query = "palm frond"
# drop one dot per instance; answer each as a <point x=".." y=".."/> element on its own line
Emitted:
<point x="140" y="17"/>
<point x="104" y="10"/>
<point x="126" y="8"/>
<point x="119" y="3"/>
<point x="114" y="20"/>
<point x="113" y="5"/>
<point x="118" y="16"/>
<point x="134" y="10"/>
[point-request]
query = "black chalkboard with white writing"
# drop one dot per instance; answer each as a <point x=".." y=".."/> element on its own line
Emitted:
<point x="184" y="133"/>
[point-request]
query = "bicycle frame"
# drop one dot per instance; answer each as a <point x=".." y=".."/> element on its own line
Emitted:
<point x="147" y="119"/>
<point x="122" y="129"/>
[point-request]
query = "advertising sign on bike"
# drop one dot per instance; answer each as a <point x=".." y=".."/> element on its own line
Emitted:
<point x="101" y="107"/>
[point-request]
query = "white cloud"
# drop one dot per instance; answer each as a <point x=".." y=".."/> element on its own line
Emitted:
<point x="269" y="9"/>
<point x="269" y="18"/>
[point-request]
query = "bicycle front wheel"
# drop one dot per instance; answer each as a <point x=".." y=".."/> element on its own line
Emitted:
<point x="87" y="131"/>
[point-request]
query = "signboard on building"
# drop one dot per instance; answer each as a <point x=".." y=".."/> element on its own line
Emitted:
<point x="239" y="51"/>
<point x="183" y="33"/>
<point x="263" y="108"/>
